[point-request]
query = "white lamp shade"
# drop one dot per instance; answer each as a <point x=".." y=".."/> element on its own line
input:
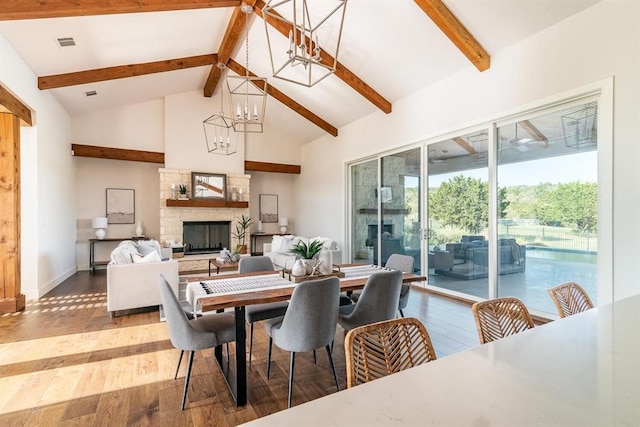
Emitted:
<point x="283" y="222"/>
<point x="99" y="222"/>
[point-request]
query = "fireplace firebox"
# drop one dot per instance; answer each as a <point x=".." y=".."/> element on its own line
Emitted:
<point x="205" y="237"/>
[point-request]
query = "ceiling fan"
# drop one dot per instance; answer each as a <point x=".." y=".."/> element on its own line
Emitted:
<point x="519" y="143"/>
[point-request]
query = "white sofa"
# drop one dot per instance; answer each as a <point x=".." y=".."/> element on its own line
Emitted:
<point x="133" y="284"/>
<point x="279" y="249"/>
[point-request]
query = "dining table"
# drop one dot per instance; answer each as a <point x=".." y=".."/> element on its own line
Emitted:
<point x="582" y="370"/>
<point x="236" y="291"/>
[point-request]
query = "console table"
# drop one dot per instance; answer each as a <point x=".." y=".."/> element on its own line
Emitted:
<point x="254" y="238"/>
<point x="92" y="242"/>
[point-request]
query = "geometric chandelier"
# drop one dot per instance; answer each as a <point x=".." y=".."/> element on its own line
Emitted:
<point x="219" y="134"/>
<point x="313" y="27"/>
<point x="247" y="94"/>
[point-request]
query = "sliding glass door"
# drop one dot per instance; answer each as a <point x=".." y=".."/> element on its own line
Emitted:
<point x="385" y="208"/>
<point x="510" y="208"/>
<point x="400" y="215"/>
<point x="364" y="210"/>
<point x="548" y="213"/>
<point x="458" y="213"/>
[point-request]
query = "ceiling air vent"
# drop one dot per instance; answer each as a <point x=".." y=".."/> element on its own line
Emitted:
<point x="91" y="93"/>
<point x="66" y="41"/>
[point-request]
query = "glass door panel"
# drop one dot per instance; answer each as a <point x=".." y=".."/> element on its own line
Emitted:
<point x="400" y="201"/>
<point x="458" y="214"/>
<point x="547" y="210"/>
<point x="364" y="210"/>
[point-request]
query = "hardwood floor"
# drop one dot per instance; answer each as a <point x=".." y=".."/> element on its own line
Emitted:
<point x="65" y="361"/>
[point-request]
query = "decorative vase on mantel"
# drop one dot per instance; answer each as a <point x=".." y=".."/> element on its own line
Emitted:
<point x="139" y="230"/>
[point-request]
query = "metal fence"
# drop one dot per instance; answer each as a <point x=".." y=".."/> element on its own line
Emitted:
<point x="552" y="237"/>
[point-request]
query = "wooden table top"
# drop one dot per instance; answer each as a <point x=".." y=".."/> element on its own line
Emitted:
<point x="224" y="265"/>
<point x="273" y="295"/>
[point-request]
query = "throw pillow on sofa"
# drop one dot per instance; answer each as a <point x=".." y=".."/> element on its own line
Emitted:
<point x="150" y="257"/>
<point x="145" y="247"/>
<point x="327" y="243"/>
<point x="122" y="254"/>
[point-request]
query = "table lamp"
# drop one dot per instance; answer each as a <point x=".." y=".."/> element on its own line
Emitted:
<point x="99" y="224"/>
<point x="283" y="222"/>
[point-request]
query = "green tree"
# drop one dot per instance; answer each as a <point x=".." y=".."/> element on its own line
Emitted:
<point x="464" y="202"/>
<point x="574" y="204"/>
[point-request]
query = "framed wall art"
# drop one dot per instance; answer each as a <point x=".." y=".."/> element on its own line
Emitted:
<point x="269" y="208"/>
<point x="209" y="185"/>
<point x="121" y="203"/>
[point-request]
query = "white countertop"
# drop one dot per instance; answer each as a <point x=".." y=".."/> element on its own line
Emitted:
<point x="579" y="371"/>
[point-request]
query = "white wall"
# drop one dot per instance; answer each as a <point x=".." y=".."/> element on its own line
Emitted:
<point x="134" y="127"/>
<point x="48" y="231"/>
<point x="93" y="177"/>
<point x="273" y="183"/>
<point x="593" y="45"/>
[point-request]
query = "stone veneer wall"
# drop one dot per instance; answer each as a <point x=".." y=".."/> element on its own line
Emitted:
<point x="171" y="218"/>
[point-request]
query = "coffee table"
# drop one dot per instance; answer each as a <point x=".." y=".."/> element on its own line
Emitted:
<point x="222" y="266"/>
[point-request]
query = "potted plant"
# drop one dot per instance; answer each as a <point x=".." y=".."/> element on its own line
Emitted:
<point x="182" y="189"/>
<point x="241" y="233"/>
<point x="308" y="252"/>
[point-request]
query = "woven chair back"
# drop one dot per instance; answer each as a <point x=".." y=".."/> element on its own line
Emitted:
<point x="570" y="298"/>
<point x="383" y="348"/>
<point x="500" y="317"/>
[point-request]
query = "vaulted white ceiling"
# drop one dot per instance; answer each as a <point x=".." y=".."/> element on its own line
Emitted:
<point x="392" y="45"/>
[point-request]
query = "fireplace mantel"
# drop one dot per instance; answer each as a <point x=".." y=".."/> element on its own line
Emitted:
<point x="205" y="203"/>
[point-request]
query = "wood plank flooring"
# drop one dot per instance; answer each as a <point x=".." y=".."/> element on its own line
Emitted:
<point x="64" y="361"/>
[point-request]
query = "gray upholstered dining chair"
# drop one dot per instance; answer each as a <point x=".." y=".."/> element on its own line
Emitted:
<point x="257" y="312"/>
<point x="405" y="264"/>
<point x="309" y="323"/>
<point x="191" y="335"/>
<point x="378" y="301"/>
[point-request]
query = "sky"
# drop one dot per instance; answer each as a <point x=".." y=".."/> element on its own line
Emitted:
<point x="581" y="167"/>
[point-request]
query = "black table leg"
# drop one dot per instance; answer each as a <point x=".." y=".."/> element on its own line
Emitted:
<point x="236" y="381"/>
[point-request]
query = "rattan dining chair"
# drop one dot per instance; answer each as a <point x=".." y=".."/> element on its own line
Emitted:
<point x="257" y="312"/>
<point x="570" y="298"/>
<point x="197" y="334"/>
<point x="500" y="317"/>
<point x="309" y="323"/>
<point x="384" y="348"/>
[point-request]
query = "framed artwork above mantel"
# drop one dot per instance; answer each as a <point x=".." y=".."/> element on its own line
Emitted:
<point x="208" y="185"/>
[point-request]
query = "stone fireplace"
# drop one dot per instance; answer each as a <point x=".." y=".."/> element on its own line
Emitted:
<point x="173" y="217"/>
<point x="206" y="237"/>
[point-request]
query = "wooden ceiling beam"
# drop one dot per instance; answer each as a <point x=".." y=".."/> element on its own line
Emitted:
<point x="124" y="71"/>
<point x="116" y="153"/>
<point x="229" y="42"/>
<point x="271" y="167"/>
<point x="11" y="104"/>
<point x="39" y="9"/>
<point x="341" y="72"/>
<point x="457" y="33"/>
<point x="271" y="90"/>
<point x="535" y="133"/>
<point x="465" y="145"/>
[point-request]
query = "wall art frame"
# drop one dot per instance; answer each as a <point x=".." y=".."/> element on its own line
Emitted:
<point x="268" y="208"/>
<point x="121" y="206"/>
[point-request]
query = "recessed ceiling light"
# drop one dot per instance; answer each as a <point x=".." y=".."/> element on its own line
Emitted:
<point x="66" y="41"/>
<point x="90" y="93"/>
